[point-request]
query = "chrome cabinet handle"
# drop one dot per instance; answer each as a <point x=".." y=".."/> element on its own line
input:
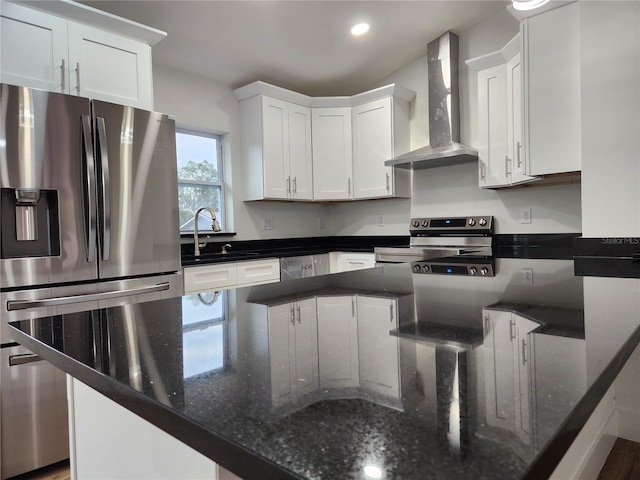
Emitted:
<point x="288" y="184"/>
<point x="105" y="183"/>
<point x="512" y="334"/>
<point x="15" y="360"/>
<point x="298" y="309"/>
<point x="295" y="185"/>
<point x="353" y="307"/>
<point x="51" y="302"/>
<point x="518" y="148"/>
<point x="78" y="78"/>
<point x="391" y="312"/>
<point x="293" y="316"/>
<point x="487" y="325"/>
<point x="506" y="166"/>
<point x="482" y="171"/>
<point x="524" y="352"/>
<point x="349" y="185"/>
<point x="63" y="76"/>
<point x="90" y="179"/>
<point x="388" y="185"/>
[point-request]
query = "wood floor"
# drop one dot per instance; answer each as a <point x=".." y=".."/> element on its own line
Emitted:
<point x="623" y="463"/>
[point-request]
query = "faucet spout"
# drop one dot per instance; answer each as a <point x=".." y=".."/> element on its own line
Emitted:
<point x="215" y="226"/>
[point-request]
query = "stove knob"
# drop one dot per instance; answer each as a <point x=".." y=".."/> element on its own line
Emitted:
<point x="472" y="222"/>
<point x="416" y="223"/>
<point x="425" y="223"/>
<point x="484" y="270"/>
<point x="482" y="222"/>
<point x="416" y="268"/>
<point x="473" y="270"/>
<point x="425" y="268"/>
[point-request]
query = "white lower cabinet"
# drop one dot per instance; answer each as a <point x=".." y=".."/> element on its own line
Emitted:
<point x="338" y="341"/>
<point x="293" y="350"/>
<point x="378" y="351"/>
<point x="231" y="274"/>
<point x="100" y="451"/>
<point x="349" y="261"/>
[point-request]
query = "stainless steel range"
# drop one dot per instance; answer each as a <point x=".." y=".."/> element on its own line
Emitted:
<point x="447" y="246"/>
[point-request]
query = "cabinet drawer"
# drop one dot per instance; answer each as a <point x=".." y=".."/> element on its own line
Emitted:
<point x="199" y="279"/>
<point x="258" y="271"/>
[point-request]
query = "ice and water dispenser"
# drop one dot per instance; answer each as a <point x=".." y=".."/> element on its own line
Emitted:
<point x="30" y="223"/>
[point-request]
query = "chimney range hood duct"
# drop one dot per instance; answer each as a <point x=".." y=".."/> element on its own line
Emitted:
<point x="444" y="112"/>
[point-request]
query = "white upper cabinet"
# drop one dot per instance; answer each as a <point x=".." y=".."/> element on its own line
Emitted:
<point x="109" y="67"/>
<point x="500" y="118"/>
<point x="552" y="85"/>
<point x="33" y="49"/>
<point x="277" y="148"/>
<point x="375" y="140"/>
<point x="52" y="52"/>
<point x="332" y="153"/>
<point x="336" y="146"/>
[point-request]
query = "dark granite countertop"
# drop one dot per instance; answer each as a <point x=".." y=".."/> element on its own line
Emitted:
<point x="412" y="406"/>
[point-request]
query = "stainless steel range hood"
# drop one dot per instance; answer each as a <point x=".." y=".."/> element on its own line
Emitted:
<point x="444" y="112"/>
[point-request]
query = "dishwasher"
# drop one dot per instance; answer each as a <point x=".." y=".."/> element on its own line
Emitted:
<point x="304" y="266"/>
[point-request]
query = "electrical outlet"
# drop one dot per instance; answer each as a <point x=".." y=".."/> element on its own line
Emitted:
<point x="527" y="276"/>
<point x="380" y="220"/>
<point x="525" y="215"/>
<point x="268" y="224"/>
<point x="321" y="223"/>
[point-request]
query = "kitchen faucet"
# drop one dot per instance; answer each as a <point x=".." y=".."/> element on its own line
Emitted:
<point x="224" y="248"/>
<point x="215" y="226"/>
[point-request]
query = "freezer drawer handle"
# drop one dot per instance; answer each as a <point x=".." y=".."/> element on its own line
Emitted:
<point x="15" y="360"/>
<point x="91" y="297"/>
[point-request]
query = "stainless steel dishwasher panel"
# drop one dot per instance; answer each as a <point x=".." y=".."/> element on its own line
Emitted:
<point x="34" y="412"/>
<point x="321" y="264"/>
<point x="296" y="267"/>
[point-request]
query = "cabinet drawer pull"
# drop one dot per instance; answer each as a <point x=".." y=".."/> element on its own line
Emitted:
<point x="524" y="352"/>
<point x="506" y="166"/>
<point x="487" y="325"/>
<point x="295" y="185"/>
<point x="512" y="334"/>
<point x="482" y="171"/>
<point x="388" y="185"/>
<point x="63" y="79"/>
<point x="518" y="148"/>
<point x="299" y="321"/>
<point x="293" y="316"/>
<point x="78" y="78"/>
<point x="288" y="184"/>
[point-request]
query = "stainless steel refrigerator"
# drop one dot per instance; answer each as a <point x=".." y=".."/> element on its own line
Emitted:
<point x="89" y="219"/>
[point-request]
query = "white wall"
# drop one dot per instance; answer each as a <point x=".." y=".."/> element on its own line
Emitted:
<point x="454" y="190"/>
<point x="203" y="104"/>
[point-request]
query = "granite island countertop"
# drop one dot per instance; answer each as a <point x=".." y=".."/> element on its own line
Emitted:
<point x="315" y="378"/>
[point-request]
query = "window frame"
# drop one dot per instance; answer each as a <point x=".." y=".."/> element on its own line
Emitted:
<point x="221" y="175"/>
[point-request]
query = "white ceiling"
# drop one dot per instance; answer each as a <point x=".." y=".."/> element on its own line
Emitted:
<point x="301" y="45"/>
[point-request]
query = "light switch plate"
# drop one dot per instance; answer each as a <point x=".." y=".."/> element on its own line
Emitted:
<point x="525" y="215"/>
<point x="268" y="224"/>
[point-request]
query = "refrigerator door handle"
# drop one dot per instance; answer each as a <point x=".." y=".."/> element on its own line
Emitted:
<point x="105" y="184"/>
<point x="50" y="302"/>
<point x="15" y="360"/>
<point x="90" y="190"/>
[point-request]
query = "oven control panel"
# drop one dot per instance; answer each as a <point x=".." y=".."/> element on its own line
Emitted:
<point x="466" y="225"/>
<point x="471" y="269"/>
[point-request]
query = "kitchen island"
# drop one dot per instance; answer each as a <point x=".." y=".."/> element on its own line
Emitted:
<point x="379" y="373"/>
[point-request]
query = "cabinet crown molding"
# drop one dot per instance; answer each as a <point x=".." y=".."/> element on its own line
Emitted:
<point x="263" y="88"/>
<point x="498" y="57"/>
<point x="77" y="12"/>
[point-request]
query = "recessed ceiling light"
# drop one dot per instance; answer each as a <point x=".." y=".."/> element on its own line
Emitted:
<point x="359" y="29"/>
<point x="528" y="4"/>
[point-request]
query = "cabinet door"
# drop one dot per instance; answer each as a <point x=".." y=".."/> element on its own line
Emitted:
<point x="377" y="349"/>
<point x="300" y="164"/>
<point x="33" y="49"/>
<point x="109" y="67"/>
<point x="492" y="126"/>
<point x="257" y="272"/>
<point x="500" y="371"/>
<point x="306" y="347"/>
<point x="337" y="342"/>
<point x="552" y="69"/>
<point x="372" y="146"/>
<point x="210" y="277"/>
<point x="275" y="144"/>
<point x="524" y="398"/>
<point x="281" y="349"/>
<point x="332" y="153"/>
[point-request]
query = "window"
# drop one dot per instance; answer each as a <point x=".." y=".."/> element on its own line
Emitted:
<point x="200" y="178"/>
<point x="204" y="333"/>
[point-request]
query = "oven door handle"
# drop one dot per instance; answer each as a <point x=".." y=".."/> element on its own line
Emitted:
<point x="15" y="360"/>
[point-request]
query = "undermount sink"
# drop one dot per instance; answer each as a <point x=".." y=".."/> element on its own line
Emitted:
<point x="207" y="257"/>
